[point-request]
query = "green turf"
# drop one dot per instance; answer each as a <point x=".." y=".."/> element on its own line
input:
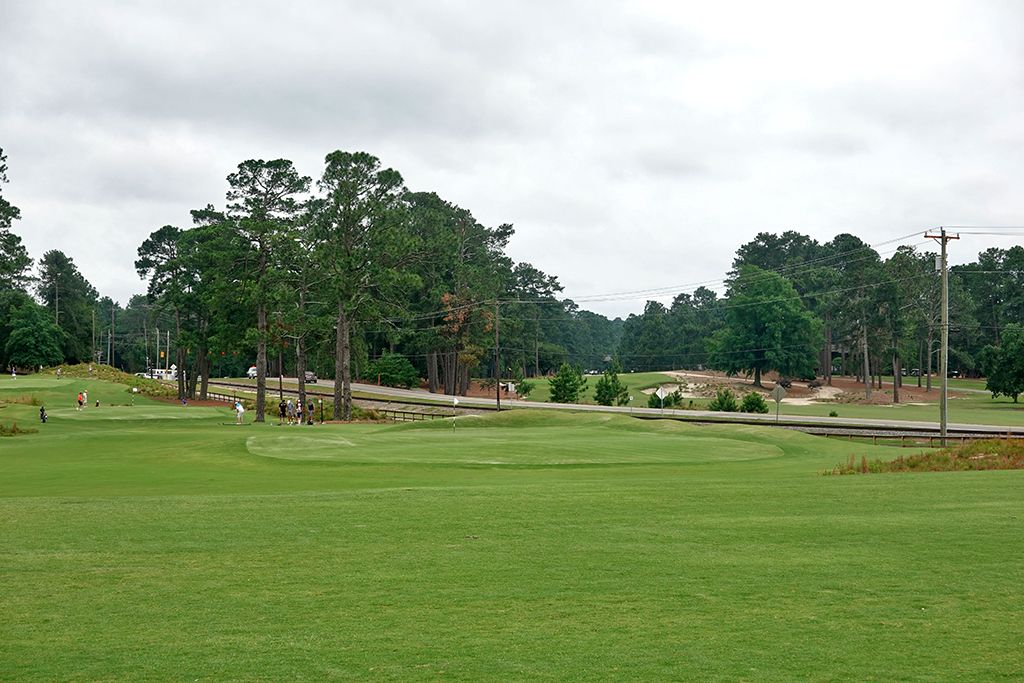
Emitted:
<point x="152" y="542"/>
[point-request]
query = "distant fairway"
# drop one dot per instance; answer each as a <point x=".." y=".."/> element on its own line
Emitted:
<point x="155" y="542"/>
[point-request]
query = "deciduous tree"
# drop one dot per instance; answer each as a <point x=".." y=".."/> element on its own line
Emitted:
<point x="767" y="328"/>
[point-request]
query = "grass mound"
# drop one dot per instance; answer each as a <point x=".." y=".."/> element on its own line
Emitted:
<point x="149" y="387"/>
<point x="990" y="454"/>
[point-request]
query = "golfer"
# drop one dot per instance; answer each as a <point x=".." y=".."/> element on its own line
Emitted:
<point x="239" y="412"/>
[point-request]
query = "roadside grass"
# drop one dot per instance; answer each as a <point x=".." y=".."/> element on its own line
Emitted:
<point x="154" y="542"/>
<point x="968" y="408"/>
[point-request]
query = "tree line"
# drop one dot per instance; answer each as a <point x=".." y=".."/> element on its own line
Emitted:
<point x="291" y="274"/>
<point x="339" y="274"/>
<point x="807" y="309"/>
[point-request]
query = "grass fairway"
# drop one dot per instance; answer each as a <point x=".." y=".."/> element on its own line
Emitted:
<point x="153" y="542"/>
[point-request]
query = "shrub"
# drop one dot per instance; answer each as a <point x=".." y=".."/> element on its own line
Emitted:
<point x="833" y="413"/>
<point x="567" y="385"/>
<point x="673" y="400"/>
<point x="610" y="390"/>
<point x="754" y="402"/>
<point x="524" y="388"/>
<point x="394" y="370"/>
<point x="724" y="401"/>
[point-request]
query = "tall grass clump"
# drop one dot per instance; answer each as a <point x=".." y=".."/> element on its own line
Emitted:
<point x="987" y="454"/>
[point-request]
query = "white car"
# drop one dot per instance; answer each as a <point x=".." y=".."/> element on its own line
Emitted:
<point x="251" y="374"/>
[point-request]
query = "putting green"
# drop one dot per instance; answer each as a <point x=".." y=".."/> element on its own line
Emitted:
<point x="299" y="447"/>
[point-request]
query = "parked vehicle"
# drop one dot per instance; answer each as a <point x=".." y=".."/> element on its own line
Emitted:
<point x="165" y="374"/>
<point x="251" y="374"/>
<point x="310" y="377"/>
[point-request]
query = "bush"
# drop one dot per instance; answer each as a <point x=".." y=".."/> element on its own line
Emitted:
<point x="394" y="370"/>
<point x="524" y="388"/>
<point x="567" y="385"/>
<point x="754" y="403"/>
<point x="724" y="401"/>
<point x="673" y="400"/>
<point x="610" y="390"/>
<point x="833" y="413"/>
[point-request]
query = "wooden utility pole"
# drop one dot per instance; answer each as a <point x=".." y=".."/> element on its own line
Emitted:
<point x="497" y="360"/>
<point x="943" y="237"/>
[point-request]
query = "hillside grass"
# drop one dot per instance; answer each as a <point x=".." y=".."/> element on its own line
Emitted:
<point x="155" y="542"/>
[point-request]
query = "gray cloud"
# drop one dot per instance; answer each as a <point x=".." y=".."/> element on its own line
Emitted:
<point x="633" y="145"/>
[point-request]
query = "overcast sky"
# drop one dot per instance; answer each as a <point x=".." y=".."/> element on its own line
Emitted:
<point x="633" y="145"/>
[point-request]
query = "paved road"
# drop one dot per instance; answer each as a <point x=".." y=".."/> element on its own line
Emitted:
<point x="420" y="395"/>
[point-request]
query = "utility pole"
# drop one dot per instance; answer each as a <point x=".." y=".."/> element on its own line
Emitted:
<point x="943" y="237"/>
<point x="497" y="360"/>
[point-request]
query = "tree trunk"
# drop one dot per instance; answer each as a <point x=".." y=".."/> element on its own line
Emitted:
<point x="432" y="383"/>
<point x="828" y="354"/>
<point x="346" y="366"/>
<point x="339" y="348"/>
<point x="449" y="361"/>
<point x="757" y="377"/>
<point x="895" y="377"/>
<point x="536" y="352"/>
<point x="867" y="365"/>
<point x="300" y="372"/>
<point x="179" y="354"/>
<point x="261" y="363"/>
<point x="921" y="359"/>
<point x="204" y="373"/>
<point x="929" y="387"/>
